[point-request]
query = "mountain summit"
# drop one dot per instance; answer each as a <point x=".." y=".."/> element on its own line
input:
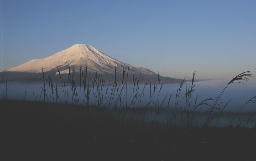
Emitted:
<point x="80" y="55"/>
<point x="76" y="55"/>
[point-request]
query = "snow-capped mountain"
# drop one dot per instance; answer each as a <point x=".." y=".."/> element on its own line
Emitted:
<point x="80" y="55"/>
<point x="76" y="56"/>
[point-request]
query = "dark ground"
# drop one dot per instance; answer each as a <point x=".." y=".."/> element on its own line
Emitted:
<point x="43" y="131"/>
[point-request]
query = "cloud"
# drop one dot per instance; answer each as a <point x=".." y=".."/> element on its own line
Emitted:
<point x="251" y="83"/>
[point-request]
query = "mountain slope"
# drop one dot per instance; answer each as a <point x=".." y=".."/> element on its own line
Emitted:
<point x="81" y="55"/>
<point x="76" y="56"/>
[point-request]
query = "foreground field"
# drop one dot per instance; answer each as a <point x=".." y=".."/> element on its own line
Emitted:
<point x="44" y="131"/>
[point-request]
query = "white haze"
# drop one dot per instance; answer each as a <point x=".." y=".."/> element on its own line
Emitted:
<point x="238" y="93"/>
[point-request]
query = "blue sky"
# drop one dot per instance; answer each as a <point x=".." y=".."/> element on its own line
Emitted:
<point x="217" y="39"/>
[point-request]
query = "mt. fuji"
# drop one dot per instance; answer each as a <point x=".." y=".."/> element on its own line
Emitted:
<point x="82" y="55"/>
<point x="76" y="55"/>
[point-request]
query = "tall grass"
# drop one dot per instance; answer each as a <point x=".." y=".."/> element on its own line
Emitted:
<point x="112" y="94"/>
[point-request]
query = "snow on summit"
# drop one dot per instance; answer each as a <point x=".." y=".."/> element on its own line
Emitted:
<point x="82" y="55"/>
<point x="76" y="56"/>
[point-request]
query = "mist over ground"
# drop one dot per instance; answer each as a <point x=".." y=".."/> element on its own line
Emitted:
<point x="237" y="93"/>
<point x="149" y="100"/>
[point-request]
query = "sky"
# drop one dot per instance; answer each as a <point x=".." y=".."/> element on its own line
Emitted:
<point x="215" y="38"/>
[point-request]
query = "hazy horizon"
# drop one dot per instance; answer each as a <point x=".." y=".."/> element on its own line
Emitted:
<point x="238" y="93"/>
<point x="217" y="39"/>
